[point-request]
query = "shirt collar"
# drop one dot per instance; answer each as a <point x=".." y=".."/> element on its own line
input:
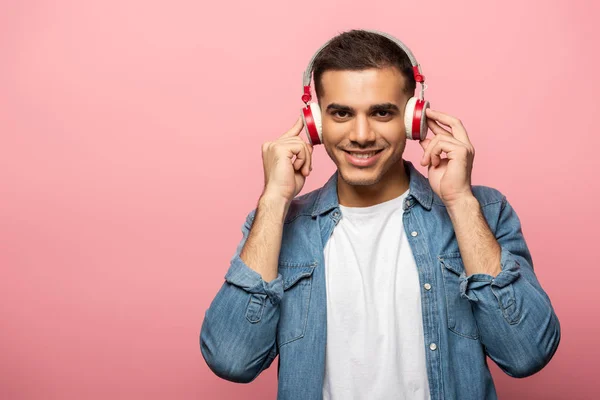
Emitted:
<point x="419" y="188"/>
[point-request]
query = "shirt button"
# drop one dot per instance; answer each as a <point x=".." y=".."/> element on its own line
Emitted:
<point x="427" y="286"/>
<point x="433" y="346"/>
<point x="413" y="233"/>
<point x="336" y="213"/>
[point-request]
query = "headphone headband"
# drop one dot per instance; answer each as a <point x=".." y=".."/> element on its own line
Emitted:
<point x="308" y="72"/>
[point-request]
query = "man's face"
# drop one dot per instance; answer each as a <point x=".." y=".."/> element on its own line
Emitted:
<point x="364" y="111"/>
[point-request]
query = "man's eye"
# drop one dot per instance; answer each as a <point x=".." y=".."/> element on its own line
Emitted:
<point x="337" y="114"/>
<point x="382" y="113"/>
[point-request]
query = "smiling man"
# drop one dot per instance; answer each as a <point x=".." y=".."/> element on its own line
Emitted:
<point x="383" y="283"/>
<point x="364" y="135"/>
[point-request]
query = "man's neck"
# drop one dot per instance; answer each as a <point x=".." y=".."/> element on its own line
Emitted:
<point x="393" y="184"/>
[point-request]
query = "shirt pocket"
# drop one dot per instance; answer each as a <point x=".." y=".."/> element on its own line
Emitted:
<point x="458" y="309"/>
<point x="294" y="305"/>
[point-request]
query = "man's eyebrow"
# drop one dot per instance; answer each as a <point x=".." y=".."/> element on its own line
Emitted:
<point x="339" y="107"/>
<point x="374" y="107"/>
<point x="384" y="107"/>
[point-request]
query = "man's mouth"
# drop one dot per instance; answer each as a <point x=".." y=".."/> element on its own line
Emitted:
<point x="362" y="158"/>
<point x="363" y="154"/>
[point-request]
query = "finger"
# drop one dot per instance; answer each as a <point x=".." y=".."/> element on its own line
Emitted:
<point x="457" y="128"/>
<point x="453" y="151"/>
<point x="308" y="163"/>
<point x="439" y="135"/>
<point x="289" y="148"/>
<point x="297" y="139"/>
<point x="300" y="149"/>
<point x="442" y="117"/>
<point x="428" y="157"/>
<point x="436" y="154"/>
<point x="294" y="130"/>
<point x="427" y="145"/>
<point x="298" y="163"/>
<point x="443" y="134"/>
<point x="437" y="129"/>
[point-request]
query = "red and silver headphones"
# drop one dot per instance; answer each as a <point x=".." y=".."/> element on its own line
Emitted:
<point x="415" y="121"/>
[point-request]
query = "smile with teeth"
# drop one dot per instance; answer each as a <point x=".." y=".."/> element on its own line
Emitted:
<point x="363" y="155"/>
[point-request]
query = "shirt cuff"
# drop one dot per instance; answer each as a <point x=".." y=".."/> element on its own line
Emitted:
<point x="501" y="285"/>
<point x="241" y="275"/>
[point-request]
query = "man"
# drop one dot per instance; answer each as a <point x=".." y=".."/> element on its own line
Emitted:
<point x="382" y="283"/>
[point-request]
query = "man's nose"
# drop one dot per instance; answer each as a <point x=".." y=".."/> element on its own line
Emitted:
<point x="362" y="131"/>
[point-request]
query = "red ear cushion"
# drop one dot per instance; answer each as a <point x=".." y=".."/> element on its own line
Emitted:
<point x="310" y="124"/>
<point x="419" y="123"/>
<point x="316" y="114"/>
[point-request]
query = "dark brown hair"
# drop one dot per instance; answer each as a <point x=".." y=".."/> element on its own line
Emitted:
<point x="357" y="50"/>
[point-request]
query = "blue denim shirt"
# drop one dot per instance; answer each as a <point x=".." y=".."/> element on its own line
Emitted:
<point x="508" y="318"/>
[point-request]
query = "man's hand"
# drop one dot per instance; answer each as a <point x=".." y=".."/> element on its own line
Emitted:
<point x="450" y="177"/>
<point x="284" y="175"/>
<point x="286" y="162"/>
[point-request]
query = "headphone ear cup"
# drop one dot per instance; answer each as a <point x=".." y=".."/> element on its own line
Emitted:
<point x="424" y="126"/>
<point x="415" y="120"/>
<point x="316" y="112"/>
<point x="409" y="114"/>
<point x="312" y="123"/>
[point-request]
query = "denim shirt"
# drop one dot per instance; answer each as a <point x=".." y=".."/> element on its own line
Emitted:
<point x="508" y="318"/>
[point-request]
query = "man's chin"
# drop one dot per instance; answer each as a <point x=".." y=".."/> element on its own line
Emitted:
<point x="360" y="176"/>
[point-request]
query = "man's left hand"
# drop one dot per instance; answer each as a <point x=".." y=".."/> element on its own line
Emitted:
<point x="450" y="177"/>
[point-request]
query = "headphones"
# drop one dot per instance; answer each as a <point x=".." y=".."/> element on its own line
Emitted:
<point x="415" y="121"/>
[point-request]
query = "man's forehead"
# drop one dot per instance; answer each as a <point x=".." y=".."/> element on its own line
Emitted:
<point x="364" y="87"/>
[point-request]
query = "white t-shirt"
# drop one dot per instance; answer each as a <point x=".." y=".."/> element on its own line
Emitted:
<point x="375" y="346"/>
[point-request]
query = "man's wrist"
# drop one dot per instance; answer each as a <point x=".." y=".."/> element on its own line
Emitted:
<point x="275" y="204"/>
<point x="466" y="204"/>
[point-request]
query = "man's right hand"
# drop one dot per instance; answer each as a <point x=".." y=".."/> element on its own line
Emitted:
<point x="284" y="175"/>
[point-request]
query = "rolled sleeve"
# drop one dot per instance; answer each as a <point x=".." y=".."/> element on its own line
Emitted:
<point x="501" y="286"/>
<point x="239" y="330"/>
<point x="241" y="275"/>
<point x="515" y="317"/>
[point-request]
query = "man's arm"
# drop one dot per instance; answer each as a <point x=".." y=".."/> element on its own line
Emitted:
<point x="515" y="317"/>
<point x="238" y="335"/>
<point x="516" y="322"/>
<point x="261" y="251"/>
<point x="238" y="339"/>
<point x="479" y="248"/>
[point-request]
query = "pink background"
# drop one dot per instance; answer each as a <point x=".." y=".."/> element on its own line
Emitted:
<point x="130" y="135"/>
